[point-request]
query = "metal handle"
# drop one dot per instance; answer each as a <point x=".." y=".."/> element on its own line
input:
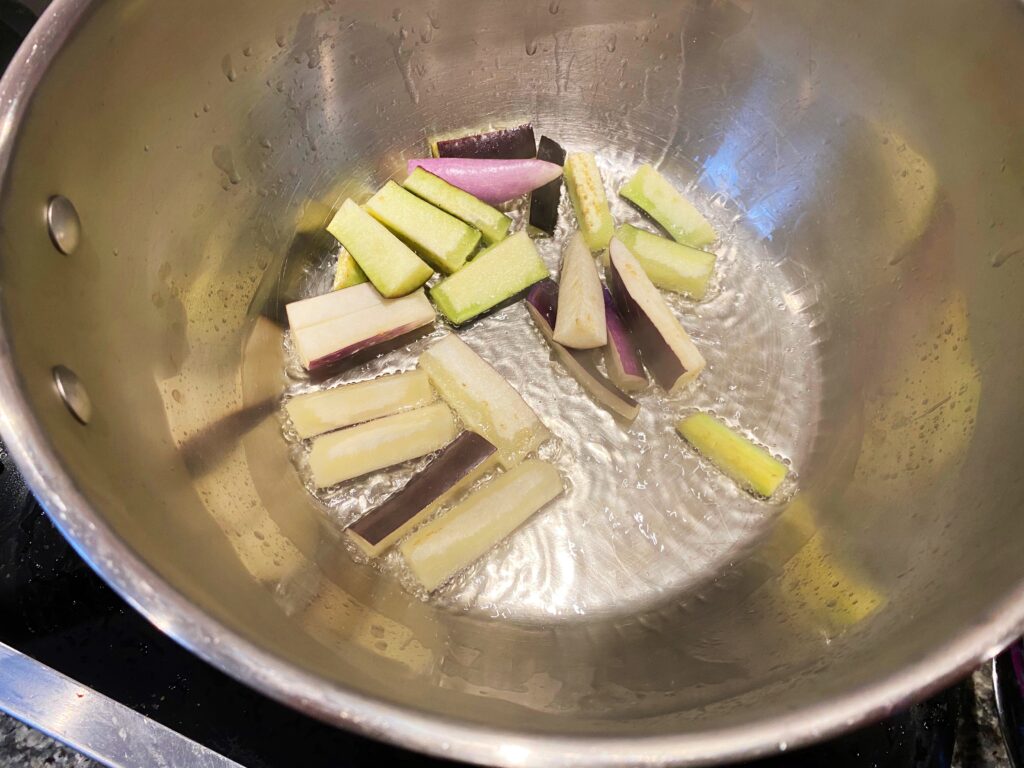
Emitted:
<point x="91" y="723"/>
<point x="1008" y="683"/>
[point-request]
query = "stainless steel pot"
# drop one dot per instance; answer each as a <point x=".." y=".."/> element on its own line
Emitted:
<point x="873" y="151"/>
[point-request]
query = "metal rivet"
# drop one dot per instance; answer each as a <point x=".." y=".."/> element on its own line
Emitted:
<point x="72" y="393"/>
<point x="64" y="225"/>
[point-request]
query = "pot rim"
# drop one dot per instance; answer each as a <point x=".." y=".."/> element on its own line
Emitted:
<point x="176" y="616"/>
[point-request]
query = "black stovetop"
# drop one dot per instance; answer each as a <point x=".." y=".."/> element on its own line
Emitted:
<point x="54" y="609"/>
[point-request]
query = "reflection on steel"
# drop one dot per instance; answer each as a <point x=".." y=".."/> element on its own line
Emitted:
<point x="73" y="393"/>
<point x="64" y="225"/>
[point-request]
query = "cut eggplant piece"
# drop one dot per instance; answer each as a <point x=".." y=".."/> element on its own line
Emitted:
<point x="441" y="239"/>
<point x="452" y="541"/>
<point x="750" y="465"/>
<point x="670" y="265"/>
<point x="320" y="412"/>
<point x="387" y="261"/>
<point x="620" y="355"/>
<point x="482" y="398"/>
<point x="586" y="190"/>
<point x="653" y="194"/>
<point x="347" y="273"/>
<point x="496" y="274"/>
<point x="381" y="443"/>
<point x="493" y="181"/>
<point x="544" y="201"/>
<point x="504" y="143"/>
<point x="541" y="303"/>
<point x="581" y="323"/>
<point x="492" y="223"/>
<point x="328" y="342"/>
<point x="331" y="306"/>
<point x="666" y="348"/>
<point x="460" y="464"/>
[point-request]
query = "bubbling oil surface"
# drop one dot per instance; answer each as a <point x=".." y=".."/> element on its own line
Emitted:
<point x="643" y="516"/>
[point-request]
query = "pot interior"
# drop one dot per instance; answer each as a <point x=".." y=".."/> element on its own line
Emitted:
<point x="866" y="166"/>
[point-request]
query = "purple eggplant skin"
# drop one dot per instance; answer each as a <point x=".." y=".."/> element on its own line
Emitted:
<point x="621" y="358"/>
<point x="663" y="364"/>
<point x="544" y="200"/>
<point x="504" y="144"/>
<point x="456" y="460"/>
<point x="337" y="356"/>
<point x="551" y="150"/>
<point x="493" y="181"/>
<point x="542" y="304"/>
<point x="543" y="297"/>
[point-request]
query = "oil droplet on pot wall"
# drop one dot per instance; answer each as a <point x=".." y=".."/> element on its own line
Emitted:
<point x="223" y="159"/>
<point x="228" y="68"/>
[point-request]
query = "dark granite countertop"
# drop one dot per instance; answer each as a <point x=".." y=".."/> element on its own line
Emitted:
<point x="24" y="747"/>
